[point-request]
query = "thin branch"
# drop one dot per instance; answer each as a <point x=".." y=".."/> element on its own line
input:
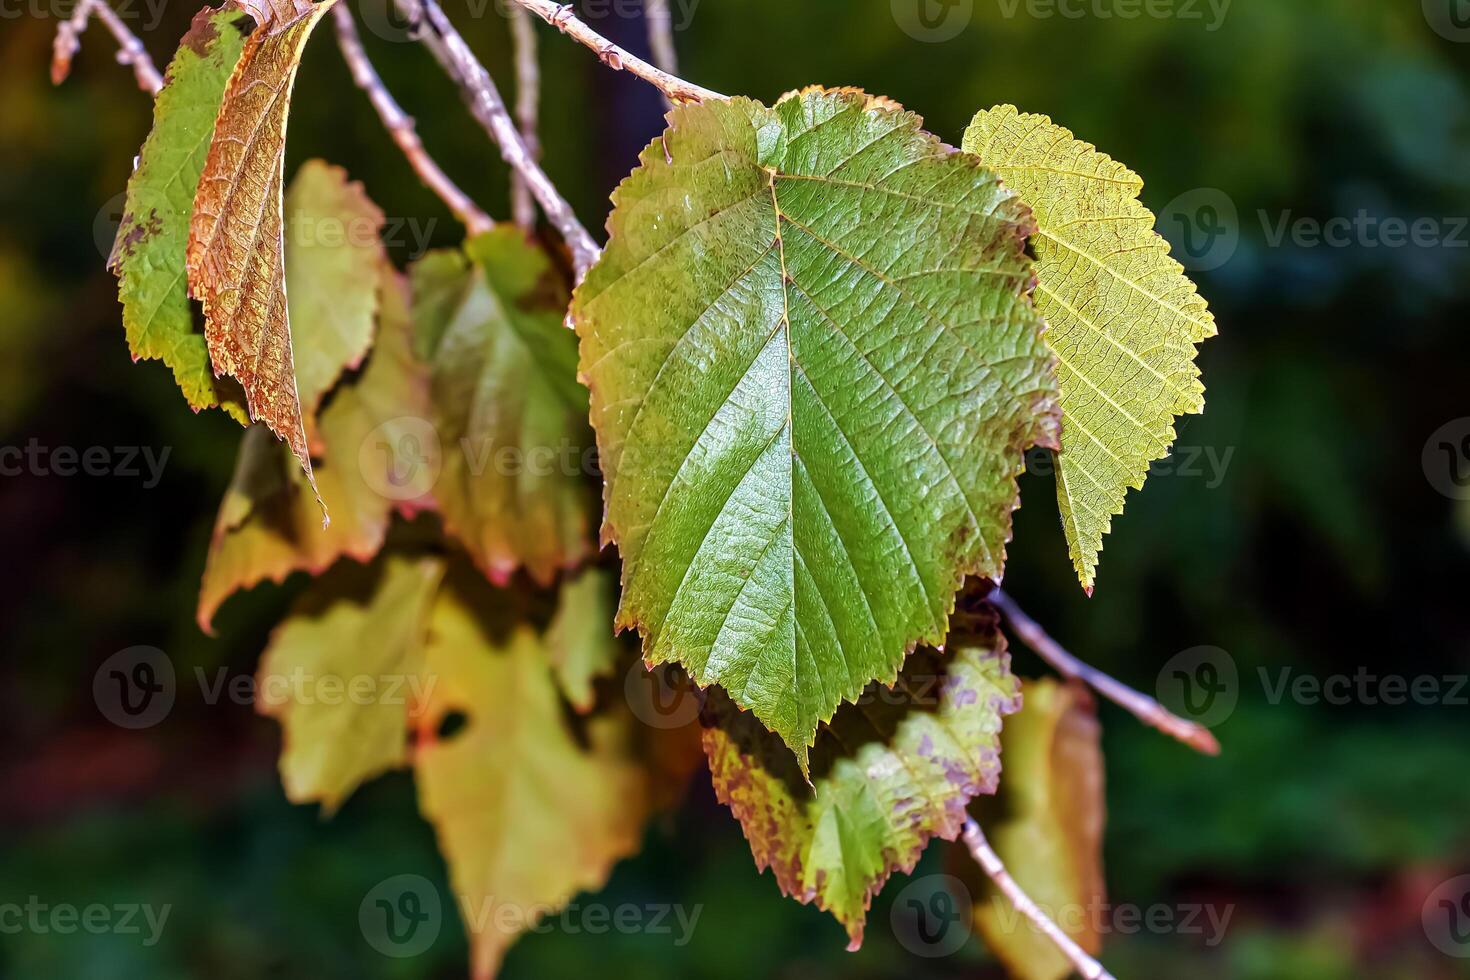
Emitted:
<point x="564" y="18"/>
<point x="1145" y="708"/>
<point x="661" y="38"/>
<point x="400" y="126"/>
<point x="130" y="50"/>
<point x="1089" y="968"/>
<point x="528" y="109"/>
<point x="485" y="103"/>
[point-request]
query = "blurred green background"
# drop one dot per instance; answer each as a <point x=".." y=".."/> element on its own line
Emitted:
<point x="1313" y="534"/>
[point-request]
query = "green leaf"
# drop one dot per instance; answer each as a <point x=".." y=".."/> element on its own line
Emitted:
<point x="887" y="775"/>
<point x="1124" y="319"/>
<point x="814" y="368"/>
<point x="510" y="414"/>
<point x="377" y="455"/>
<point x="529" y="812"/>
<point x="342" y="673"/>
<point x="578" y="640"/>
<point x="1046" y="823"/>
<point x="334" y="258"/>
<point x="148" y="255"/>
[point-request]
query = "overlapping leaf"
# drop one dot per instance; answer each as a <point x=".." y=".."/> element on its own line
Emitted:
<point x="334" y="259"/>
<point x="532" y="803"/>
<point x="890" y="773"/>
<point x="1124" y="319"/>
<point x="814" y="368"/>
<point x="577" y="640"/>
<point x="344" y="671"/>
<point x="509" y="412"/>
<point x="235" y="259"/>
<point x="528" y="811"/>
<point x="148" y="256"/>
<point x="1046" y="823"/>
<point x="376" y="456"/>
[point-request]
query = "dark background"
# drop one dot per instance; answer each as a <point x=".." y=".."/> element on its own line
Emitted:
<point x="1324" y="547"/>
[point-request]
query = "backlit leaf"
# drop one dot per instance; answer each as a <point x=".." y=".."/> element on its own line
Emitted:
<point x="334" y="257"/>
<point x="1124" y="319"/>
<point x="376" y="456"/>
<point x="344" y="671"/>
<point x="148" y="255"/>
<point x="529" y="812"/>
<point x="890" y="773"/>
<point x="510" y="414"/>
<point x="1046" y="823"/>
<point x="814" y="368"/>
<point x="236" y="260"/>
<point x="578" y="641"/>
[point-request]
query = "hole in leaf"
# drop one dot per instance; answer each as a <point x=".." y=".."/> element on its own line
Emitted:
<point x="451" y="725"/>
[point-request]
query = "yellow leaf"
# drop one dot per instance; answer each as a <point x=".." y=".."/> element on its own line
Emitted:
<point x="1123" y="318"/>
<point x="236" y="260"/>
<point x="341" y="673"/>
<point x="1047" y="826"/>
<point x="373" y="459"/>
<point x="529" y="812"/>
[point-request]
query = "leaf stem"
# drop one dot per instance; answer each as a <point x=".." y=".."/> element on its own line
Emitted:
<point x="980" y="849"/>
<point x="527" y="110"/>
<point x="401" y="128"/>
<point x="563" y="17"/>
<point x="130" y="50"/>
<point x="1143" y="707"/>
<point x="484" y="101"/>
<point x="661" y="38"/>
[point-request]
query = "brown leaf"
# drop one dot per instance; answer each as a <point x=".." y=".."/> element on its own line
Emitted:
<point x="1046" y="823"/>
<point x="274" y="15"/>
<point x="236" y="254"/>
<point x="374" y="459"/>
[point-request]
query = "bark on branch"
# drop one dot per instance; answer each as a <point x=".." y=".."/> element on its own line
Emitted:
<point x="130" y="50"/>
<point x="528" y="110"/>
<point x="564" y="18"/>
<point x="401" y="128"/>
<point x="1086" y="966"/>
<point x="483" y="98"/>
<point x="1143" y="707"/>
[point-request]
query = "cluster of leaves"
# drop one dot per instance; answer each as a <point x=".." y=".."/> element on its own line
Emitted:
<point x="813" y="355"/>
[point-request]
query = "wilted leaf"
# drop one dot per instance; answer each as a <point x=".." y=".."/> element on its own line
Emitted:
<point x="342" y="674"/>
<point x="376" y="455"/>
<point x="1046" y="823"/>
<point x="814" y="368"/>
<point x="887" y="775"/>
<point x="1124" y="319"/>
<point x="579" y="642"/>
<point x="528" y="811"/>
<point x="236" y="261"/>
<point x="148" y="256"/>
<point x="334" y="257"/>
<point x="510" y="413"/>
